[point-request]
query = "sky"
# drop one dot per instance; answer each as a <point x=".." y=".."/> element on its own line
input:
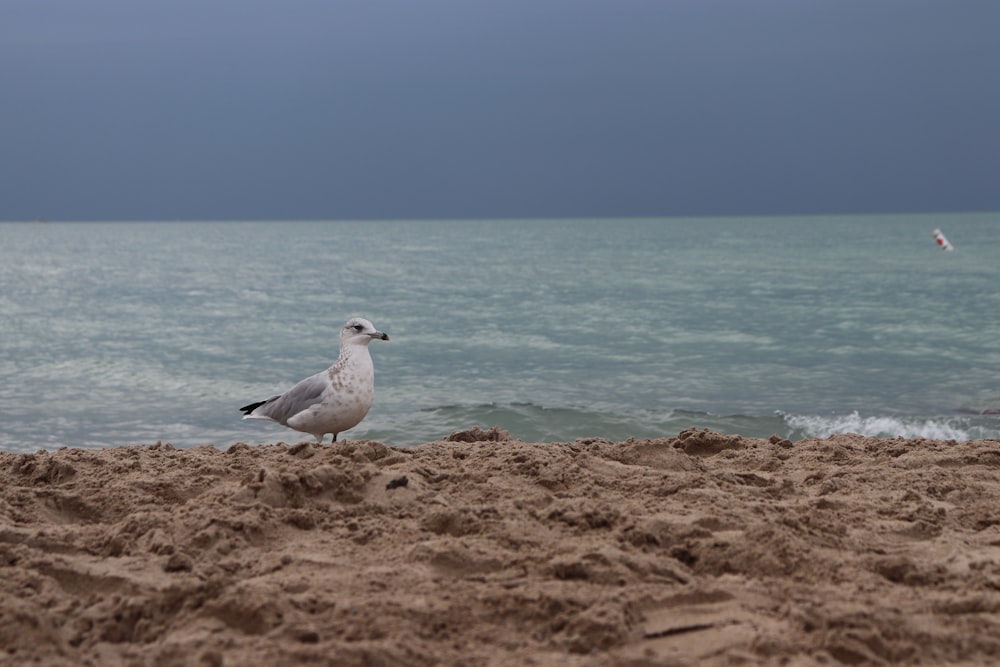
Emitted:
<point x="417" y="109"/>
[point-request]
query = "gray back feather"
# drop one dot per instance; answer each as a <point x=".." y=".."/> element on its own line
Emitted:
<point x="300" y="397"/>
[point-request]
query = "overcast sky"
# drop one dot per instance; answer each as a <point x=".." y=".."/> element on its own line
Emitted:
<point x="331" y="109"/>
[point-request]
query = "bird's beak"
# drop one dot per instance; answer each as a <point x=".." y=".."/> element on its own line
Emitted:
<point x="380" y="335"/>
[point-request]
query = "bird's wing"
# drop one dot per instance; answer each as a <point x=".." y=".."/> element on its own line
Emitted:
<point x="303" y="395"/>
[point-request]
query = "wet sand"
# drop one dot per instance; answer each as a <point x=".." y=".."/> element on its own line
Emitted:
<point x="699" y="549"/>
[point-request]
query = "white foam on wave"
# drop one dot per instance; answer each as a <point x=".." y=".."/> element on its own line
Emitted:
<point x="812" y="426"/>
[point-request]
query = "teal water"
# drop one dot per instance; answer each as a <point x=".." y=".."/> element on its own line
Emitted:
<point x="128" y="333"/>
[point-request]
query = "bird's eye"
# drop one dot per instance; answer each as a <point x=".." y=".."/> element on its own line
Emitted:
<point x="358" y="327"/>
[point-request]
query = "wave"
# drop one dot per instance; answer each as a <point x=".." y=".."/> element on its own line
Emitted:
<point x="959" y="429"/>
<point x="536" y="423"/>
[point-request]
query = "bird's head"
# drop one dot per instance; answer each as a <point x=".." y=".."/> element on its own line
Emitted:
<point x="359" y="331"/>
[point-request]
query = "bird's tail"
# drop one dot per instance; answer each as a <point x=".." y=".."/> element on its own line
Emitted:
<point x="247" y="409"/>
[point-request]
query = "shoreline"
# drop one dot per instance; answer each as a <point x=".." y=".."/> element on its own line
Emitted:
<point x="702" y="548"/>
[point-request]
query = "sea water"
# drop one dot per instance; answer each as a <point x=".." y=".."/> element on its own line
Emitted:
<point x="129" y="333"/>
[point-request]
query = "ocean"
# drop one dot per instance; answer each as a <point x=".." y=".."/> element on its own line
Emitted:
<point x="131" y="333"/>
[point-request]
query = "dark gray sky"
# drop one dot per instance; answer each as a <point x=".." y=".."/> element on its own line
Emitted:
<point x="252" y="109"/>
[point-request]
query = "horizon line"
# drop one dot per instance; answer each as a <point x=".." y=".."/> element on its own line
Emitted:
<point x="43" y="220"/>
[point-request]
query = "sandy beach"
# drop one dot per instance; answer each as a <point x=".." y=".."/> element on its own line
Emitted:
<point x="698" y="549"/>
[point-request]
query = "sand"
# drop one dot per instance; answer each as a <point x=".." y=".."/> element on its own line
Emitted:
<point x="699" y="549"/>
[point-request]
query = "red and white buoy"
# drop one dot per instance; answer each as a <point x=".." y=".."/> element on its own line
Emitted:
<point x="942" y="241"/>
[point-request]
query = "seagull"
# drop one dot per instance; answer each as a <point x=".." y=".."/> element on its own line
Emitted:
<point x="333" y="400"/>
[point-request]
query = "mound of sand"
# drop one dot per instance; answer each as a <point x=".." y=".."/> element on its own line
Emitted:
<point x="701" y="549"/>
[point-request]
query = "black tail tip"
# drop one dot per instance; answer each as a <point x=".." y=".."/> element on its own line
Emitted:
<point x="247" y="409"/>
